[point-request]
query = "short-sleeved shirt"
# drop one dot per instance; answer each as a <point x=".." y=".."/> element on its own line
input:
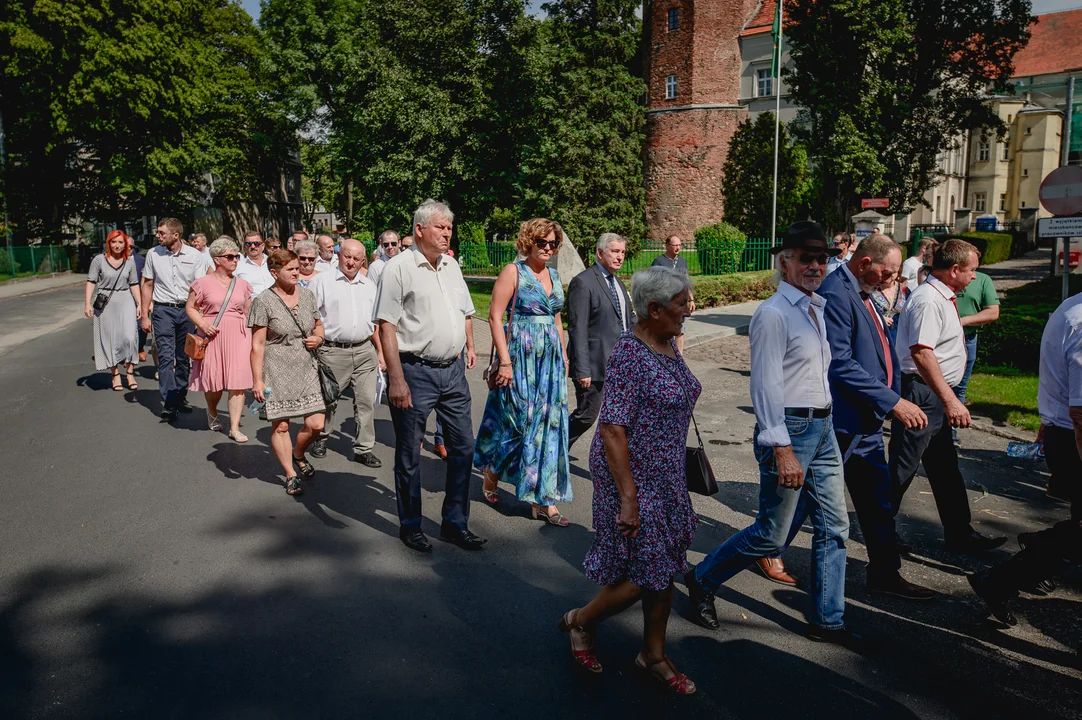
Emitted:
<point x="428" y="305"/>
<point x="911" y="269"/>
<point x="376" y="269"/>
<point x="110" y="279"/>
<point x="1060" y="386"/>
<point x="977" y="296"/>
<point x="174" y="273"/>
<point x="679" y="264"/>
<point x="345" y="305"/>
<point x="258" y="276"/>
<point x="930" y="320"/>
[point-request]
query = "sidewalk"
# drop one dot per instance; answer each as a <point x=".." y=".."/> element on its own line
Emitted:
<point x="717" y="322"/>
<point x="1009" y="274"/>
<point x="30" y="286"/>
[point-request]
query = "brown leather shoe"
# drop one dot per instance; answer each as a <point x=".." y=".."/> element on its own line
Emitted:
<point x="440" y="450"/>
<point x="773" y="569"/>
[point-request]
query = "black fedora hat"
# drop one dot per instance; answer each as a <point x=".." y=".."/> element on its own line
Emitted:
<point x="805" y="235"/>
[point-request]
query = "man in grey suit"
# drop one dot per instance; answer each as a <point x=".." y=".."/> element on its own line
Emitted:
<point x="598" y="312"/>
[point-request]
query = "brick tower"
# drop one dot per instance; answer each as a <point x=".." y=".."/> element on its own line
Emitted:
<point x="692" y="55"/>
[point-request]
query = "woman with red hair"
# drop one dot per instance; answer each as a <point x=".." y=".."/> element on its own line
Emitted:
<point x="112" y="300"/>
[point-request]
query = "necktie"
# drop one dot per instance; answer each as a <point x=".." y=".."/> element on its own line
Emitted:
<point x="616" y="301"/>
<point x="882" y="335"/>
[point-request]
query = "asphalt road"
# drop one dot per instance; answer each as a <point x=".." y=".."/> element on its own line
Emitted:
<point x="151" y="571"/>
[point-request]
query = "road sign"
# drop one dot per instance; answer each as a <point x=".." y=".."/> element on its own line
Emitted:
<point x="1061" y="191"/>
<point x="1059" y="227"/>
<point x="869" y="203"/>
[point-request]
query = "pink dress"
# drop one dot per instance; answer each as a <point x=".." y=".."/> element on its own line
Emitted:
<point x="227" y="364"/>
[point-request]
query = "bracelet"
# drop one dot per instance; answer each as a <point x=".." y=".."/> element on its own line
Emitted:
<point x="505" y="365"/>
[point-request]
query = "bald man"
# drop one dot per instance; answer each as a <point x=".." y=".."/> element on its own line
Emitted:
<point x="346" y="299"/>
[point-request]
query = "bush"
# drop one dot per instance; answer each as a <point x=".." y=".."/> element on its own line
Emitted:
<point x="5" y="264"/>
<point x="732" y="288"/>
<point x="503" y="222"/>
<point x="994" y="246"/>
<point x="720" y="248"/>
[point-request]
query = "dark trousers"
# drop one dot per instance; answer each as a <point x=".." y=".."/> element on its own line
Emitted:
<point x="171" y="327"/>
<point x="869" y="481"/>
<point x="587" y="408"/>
<point x="1049" y="551"/>
<point x="444" y="390"/>
<point x="932" y="445"/>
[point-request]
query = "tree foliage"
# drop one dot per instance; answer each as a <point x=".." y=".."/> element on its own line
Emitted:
<point x="748" y="177"/>
<point x="886" y="85"/>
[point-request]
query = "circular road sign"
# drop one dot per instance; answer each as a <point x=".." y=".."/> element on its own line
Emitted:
<point x="1061" y="191"/>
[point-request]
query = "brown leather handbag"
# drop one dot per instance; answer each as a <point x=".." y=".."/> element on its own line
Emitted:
<point x="493" y="370"/>
<point x="195" y="346"/>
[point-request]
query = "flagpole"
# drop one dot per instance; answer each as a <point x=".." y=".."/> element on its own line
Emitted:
<point x="777" y="122"/>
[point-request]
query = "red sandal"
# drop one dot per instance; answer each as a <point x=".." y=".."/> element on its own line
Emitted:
<point x="586" y="659"/>
<point x="679" y="683"/>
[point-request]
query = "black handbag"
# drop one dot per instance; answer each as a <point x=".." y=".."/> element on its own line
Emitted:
<point x="699" y="474"/>
<point x="328" y="384"/>
<point x="101" y="299"/>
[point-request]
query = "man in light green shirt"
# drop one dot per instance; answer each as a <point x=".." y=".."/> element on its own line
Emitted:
<point x="978" y="305"/>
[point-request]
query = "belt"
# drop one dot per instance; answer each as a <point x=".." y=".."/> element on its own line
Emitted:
<point x="906" y="377"/>
<point x="165" y="304"/>
<point x="345" y="346"/>
<point x="412" y="359"/>
<point x="536" y="319"/>
<point x="809" y="413"/>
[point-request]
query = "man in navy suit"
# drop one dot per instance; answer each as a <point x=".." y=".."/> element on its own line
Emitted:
<point x="865" y="384"/>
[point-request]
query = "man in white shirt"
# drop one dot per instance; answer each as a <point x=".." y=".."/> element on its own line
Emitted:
<point x="346" y="300"/>
<point x="327" y="260"/>
<point x="388" y="242"/>
<point x="425" y="317"/>
<point x="843" y="242"/>
<point x="800" y="466"/>
<point x="932" y="356"/>
<point x="168" y="274"/>
<point x="253" y="266"/>
<point x="911" y="267"/>
<point x="1059" y="399"/>
<point x="199" y="242"/>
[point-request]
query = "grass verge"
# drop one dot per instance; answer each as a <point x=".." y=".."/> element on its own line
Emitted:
<point x="1005" y="395"/>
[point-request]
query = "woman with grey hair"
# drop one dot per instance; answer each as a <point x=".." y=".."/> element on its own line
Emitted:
<point x="307" y="255"/>
<point x="218" y="306"/>
<point x="643" y="516"/>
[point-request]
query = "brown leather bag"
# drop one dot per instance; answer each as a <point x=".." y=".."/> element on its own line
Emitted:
<point x="493" y="370"/>
<point x="195" y="346"/>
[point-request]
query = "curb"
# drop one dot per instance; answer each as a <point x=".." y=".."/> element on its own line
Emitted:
<point x="691" y="341"/>
<point x="34" y="278"/>
<point x="986" y="425"/>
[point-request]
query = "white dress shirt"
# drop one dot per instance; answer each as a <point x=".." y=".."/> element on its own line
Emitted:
<point x="376" y="269"/>
<point x="789" y="360"/>
<point x="257" y="275"/>
<point x="930" y="320"/>
<point x="605" y="275"/>
<point x="345" y="305"/>
<point x="173" y="273"/>
<point x="428" y="305"/>
<point x="326" y="265"/>
<point x="911" y="269"/>
<point x="1060" y="386"/>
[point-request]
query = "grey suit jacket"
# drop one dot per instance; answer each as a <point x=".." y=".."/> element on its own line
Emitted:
<point x="593" y="326"/>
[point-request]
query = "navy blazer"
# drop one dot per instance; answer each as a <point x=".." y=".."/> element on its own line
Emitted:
<point x="859" y="386"/>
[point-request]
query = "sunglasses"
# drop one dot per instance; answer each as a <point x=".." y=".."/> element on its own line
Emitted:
<point x="253" y="244"/>
<point x="230" y="256"/>
<point x="306" y="259"/>
<point x="808" y="258"/>
<point x="390" y="244"/>
<point x="551" y="244"/>
<point x="274" y="247"/>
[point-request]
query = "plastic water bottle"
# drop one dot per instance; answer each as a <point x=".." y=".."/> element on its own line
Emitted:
<point x="256" y="405"/>
<point x="1030" y="451"/>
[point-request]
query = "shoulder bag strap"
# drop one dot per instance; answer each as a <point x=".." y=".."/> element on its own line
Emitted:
<point x="295" y="320"/>
<point x="119" y="273"/>
<point x="687" y="398"/>
<point x="511" y="312"/>
<point x="225" y="305"/>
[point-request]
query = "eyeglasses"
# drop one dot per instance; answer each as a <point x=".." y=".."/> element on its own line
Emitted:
<point x="274" y="247"/>
<point x="306" y="259"/>
<point x="230" y="256"/>
<point x="390" y="244"/>
<point x="808" y="258"/>
<point x="253" y="244"/>
<point x="542" y="244"/>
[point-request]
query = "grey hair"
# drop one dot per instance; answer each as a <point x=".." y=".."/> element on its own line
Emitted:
<point x="388" y="234"/>
<point x="429" y="210"/>
<point x="607" y="239"/>
<point x="222" y="245"/>
<point x="877" y="247"/>
<point x="656" y="284"/>
<point x="305" y="245"/>
<point x="788" y="255"/>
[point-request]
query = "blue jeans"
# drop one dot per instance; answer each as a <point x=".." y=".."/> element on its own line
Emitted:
<point x="782" y="512"/>
<point x="971" y="360"/>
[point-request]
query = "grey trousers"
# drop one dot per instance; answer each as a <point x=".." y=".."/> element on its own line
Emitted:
<point x="355" y="367"/>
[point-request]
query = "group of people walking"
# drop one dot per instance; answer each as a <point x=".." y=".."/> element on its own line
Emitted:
<point x="826" y="373"/>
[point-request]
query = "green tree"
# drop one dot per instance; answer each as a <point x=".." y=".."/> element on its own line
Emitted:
<point x="886" y="85"/>
<point x="748" y="177"/>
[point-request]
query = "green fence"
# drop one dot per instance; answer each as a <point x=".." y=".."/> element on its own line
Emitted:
<point x="485" y="258"/>
<point x="33" y="260"/>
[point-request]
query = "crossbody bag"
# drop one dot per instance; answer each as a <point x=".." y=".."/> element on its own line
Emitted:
<point x="195" y="346"/>
<point x="101" y="299"/>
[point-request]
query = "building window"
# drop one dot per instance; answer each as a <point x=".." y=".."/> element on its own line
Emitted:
<point x="1029" y="131"/>
<point x="670" y="87"/>
<point x="983" y="150"/>
<point x="764" y="83"/>
<point x="674" y="18"/>
<point x="1025" y="172"/>
<point x="938" y="211"/>
<point x="1003" y="202"/>
<point x="980" y="201"/>
<point x="1007" y="150"/>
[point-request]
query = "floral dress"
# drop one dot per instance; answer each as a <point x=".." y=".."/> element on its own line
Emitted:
<point x="647" y="394"/>
<point x="523" y="434"/>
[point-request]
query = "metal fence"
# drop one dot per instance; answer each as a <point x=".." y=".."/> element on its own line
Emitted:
<point x="491" y="257"/>
<point x="33" y="260"/>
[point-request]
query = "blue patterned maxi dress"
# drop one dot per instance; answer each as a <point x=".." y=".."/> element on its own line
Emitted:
<point x="523" y="434"/>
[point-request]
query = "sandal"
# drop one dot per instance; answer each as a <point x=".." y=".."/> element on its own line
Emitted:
<point x="237" y="436"/>
<point x="293" y="486"/>
<point x="586" y="659"/>
<point x="679" y="683"/>
<point x="116" y="383"/>
<point x="492" y="497"/>
<point x="214" y="423"/>
<point x="540" y="512"/>
<point x="132" y="385"/>
<point x="305" y="468"/>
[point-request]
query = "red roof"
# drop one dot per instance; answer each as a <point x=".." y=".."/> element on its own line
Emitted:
<point x="763" y="20"/>
<point x="1053" y="47"/>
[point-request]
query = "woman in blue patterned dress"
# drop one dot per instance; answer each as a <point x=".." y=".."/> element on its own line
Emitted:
<point x="643" y="517"/>
<point x="523" y="435"/>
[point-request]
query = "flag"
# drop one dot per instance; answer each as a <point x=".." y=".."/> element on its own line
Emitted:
<point x="775" y="32"/>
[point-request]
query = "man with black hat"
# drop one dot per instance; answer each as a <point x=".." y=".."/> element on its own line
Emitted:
<point x="800" y="466"/>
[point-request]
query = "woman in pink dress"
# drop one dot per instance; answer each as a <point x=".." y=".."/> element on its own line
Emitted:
<point x="227" y="361"/>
